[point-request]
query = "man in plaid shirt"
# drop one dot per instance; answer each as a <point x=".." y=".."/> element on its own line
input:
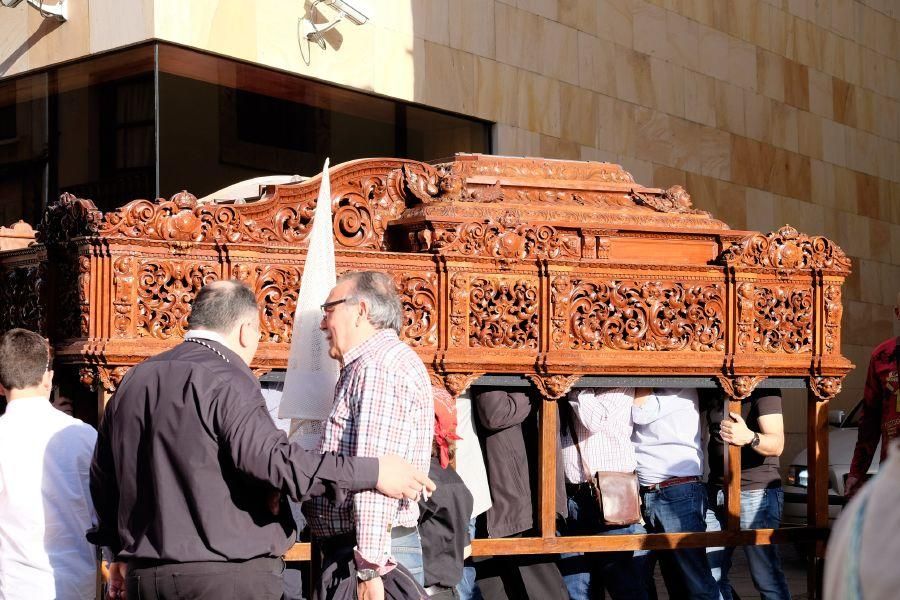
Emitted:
<point x="382" y="405"/>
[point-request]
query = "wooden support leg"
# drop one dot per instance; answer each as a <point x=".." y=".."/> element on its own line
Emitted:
<point x="817" y="490"/>
<point x="732" y="473"/>
<point x="547" y="467"/>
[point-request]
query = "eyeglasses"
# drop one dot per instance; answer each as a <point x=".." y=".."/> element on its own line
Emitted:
<point x="328" y="307"/>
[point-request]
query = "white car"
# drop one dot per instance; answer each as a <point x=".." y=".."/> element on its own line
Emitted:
<point x="842" y="437"/>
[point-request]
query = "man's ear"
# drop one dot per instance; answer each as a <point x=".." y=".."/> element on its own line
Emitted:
<point x="247" y="334"/>
<point x="47" y="379"/>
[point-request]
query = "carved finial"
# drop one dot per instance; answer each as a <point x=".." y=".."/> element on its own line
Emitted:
<point x="68" y="218"/>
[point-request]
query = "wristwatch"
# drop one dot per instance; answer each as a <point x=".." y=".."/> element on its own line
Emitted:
<point x="367" y="574"/>
<point x="755" y="441"/>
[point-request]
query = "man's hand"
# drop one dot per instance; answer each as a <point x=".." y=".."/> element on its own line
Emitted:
<point x="851" y="486"/>
<point x="370" y="590"/>
<point x="398" y="479"/>
<point x="736" y="432"/>
<point x="116" y="588"/>
<point x="641" y="395"/>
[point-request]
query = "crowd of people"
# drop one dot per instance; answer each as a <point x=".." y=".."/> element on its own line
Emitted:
<point x="185" y="487"/>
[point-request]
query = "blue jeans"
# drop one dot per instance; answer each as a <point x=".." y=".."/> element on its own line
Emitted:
<point x="760" y="509"/>
<point x="681" y="508"/>
<point x="586" y="575"/>
<point x="467" y="588"/>
<point x="407" y="551"/>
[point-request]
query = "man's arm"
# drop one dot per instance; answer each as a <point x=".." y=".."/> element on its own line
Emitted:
<point x="498" y="409"/>
<point x="869" y="433"/>
<point x="261" y="450"/>
<point x="771" y="433"/>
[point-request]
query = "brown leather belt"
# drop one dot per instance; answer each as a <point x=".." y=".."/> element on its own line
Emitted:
<point x="669" y="483"/>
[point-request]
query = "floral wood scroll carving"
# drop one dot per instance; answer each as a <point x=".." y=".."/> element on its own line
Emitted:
<point x="365" y="208"/>
<point x="775" y="319"/>
<point x="540" y="168"/>
<point x="637" y="315"/>
<point x="674" y="200"/>
<point x="504" y="238"/>
<point x="553" y="387"/>
<point x="276" y="288"/>
<point x="66" y="219"/>
<point x="21" y="303"/>
<point x="166" y="290"/>
<point x="833" y="312"/>
<point x="787" y="250"/>
<point x="418" y="293"/>
<point x="503" y="313"/>
<point x="825" y="388"/>
<point x="741" y="386"/>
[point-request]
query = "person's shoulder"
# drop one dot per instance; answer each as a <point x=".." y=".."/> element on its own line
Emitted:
<point x="885" y="348"/>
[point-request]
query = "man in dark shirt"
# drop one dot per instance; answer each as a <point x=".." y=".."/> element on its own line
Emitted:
<point x="444" y="516"/>
<point x="759" y="430"/>
<point x="189" y="470"/>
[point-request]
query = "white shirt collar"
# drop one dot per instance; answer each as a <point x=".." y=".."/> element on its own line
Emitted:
<point x="27" y="403"/>
<point x="206" y="334"/>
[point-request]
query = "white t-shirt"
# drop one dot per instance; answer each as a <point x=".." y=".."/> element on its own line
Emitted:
<point x="667" y="436"/>
<point x="469" y="459"/>
<point x="45" y="504"/>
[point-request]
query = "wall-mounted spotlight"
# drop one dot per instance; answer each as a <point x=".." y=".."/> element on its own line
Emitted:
<point x="56" y="11"/>
<point x="357" y="12"/>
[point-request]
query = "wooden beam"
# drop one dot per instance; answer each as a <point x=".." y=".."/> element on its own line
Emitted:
<point x="732" y="474"/>
<point x="547" y="468"/>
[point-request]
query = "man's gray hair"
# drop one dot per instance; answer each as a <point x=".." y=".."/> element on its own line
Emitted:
<point x="380" y="294"/>
<point x="220" y="305"/>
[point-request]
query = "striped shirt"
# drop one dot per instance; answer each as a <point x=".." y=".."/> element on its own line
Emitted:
<point x="602" y="421"/>
<point x="382" y="405"/>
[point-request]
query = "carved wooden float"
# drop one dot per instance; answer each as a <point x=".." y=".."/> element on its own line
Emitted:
<point x="551" y="269"/>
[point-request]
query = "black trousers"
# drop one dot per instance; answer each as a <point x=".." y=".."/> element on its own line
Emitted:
<point x="258" y="578"/>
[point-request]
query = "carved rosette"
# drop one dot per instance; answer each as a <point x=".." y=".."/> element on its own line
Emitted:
<point x="503" y="313"/>
<point x="166" y="289"/>
<point x="553" y="387"/>
<point x="641" y="315"/>
<point x="775" y="318"/>
<point x="833" y="311"/>
<point x="825" y="388"/>
<point x="66" y="219"/>
<point x="418" y="293"/>
<point x="505" y="238"/>
<point x="459" y="309"/>
<point x="787" y="250"/>
<point x="741" y="386"/>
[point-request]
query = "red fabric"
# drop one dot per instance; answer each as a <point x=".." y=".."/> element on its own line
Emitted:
<point x="879" y="418"/>
<point x="444" y="423"/>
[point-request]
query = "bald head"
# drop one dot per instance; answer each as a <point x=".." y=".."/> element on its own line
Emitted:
<point x="221" y="305"/>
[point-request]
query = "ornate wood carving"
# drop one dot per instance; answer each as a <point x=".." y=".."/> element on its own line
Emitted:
<point x="459" y="309"/>
<point x="833" y="312"/>
<point x="67" y="219"/>
<point x="503" y="313"/>
<point x="674" y="200"/>
<point x="18" y="235"/>
<point x="123" y="294"/>
<point x="553" y="387"/>
<point x="21" y="302"/>
<point x="506" y="239"/>
<point x="775" y="318"/>
<point x="741" y="386"/>
<point x="454" y="383"/>
<point x="825" y="388"/>
<point x="637" y="315"/>
<point x="276" y="288"/>
<point x="166" y="289"/>
<point x="418" y="292"/>
<point x="787" y="250"/>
